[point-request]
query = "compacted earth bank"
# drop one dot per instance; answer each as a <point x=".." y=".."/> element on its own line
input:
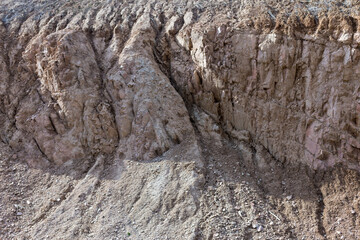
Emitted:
<point x="179" y="119"/>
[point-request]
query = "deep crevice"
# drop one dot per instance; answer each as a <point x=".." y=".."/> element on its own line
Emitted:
<point x="39" y="148"/>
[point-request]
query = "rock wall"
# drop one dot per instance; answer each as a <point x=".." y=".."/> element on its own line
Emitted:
<point x="88" y="98"/>
<point x="297" y="96"/>
<point x="98" y="83"/>
<point x="179" y="119"/>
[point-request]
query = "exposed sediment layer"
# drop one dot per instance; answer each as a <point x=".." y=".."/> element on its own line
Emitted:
<point x="299" y="97"/>
<point x="149" y="119"/>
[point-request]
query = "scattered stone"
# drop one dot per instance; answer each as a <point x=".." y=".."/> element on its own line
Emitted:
<point x="254" y="225"/>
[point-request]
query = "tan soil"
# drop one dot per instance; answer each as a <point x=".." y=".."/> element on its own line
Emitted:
<point x="179" y="119"/>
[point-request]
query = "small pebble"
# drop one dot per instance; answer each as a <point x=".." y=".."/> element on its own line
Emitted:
<point x="254" y="225"/>
<point x="19" y="214"/>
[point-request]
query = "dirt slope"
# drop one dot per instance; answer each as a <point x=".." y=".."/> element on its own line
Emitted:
<point x="179" y="120"/>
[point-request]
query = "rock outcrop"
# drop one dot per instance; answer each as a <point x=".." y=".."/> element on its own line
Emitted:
<point x="154" y="120"/>
<point x="297" y="96"/>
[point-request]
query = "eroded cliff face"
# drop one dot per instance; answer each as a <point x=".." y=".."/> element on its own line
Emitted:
<point x="150" y="120"/>
<point x="297" y="96"/>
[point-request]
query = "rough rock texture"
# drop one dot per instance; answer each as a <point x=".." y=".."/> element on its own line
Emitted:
<point x="299" y="97"/>
<point x="189" y="119"/>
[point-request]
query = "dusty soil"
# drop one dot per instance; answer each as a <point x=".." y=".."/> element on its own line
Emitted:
<point x="179" y="120"/>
